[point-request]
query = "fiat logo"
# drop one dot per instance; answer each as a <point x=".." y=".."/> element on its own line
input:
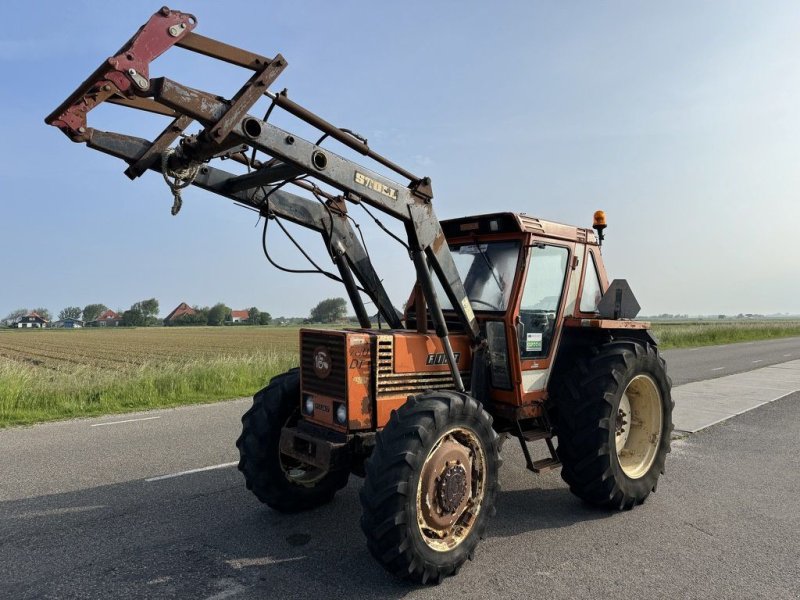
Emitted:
<point x="322" y="362"/>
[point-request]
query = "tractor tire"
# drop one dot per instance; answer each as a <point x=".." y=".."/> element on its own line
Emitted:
<point x="277" y="480"/>
<point x="613" y="419"/>
<point x="430" y="486"/>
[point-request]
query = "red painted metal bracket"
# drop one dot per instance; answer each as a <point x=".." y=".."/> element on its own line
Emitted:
<point x="126" y="74"/>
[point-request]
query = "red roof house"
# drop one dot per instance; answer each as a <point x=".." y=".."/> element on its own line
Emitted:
<point x="108" y="318"/>
<point x="179" y="311"/>
<point x="239" y="316"/>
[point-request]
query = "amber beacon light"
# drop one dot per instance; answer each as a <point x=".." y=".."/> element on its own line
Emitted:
<point x="599" y="224"/>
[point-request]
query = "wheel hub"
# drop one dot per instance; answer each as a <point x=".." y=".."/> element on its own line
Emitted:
<point x="622" y="426"/>
<point x="451" y="488"/>
<point x="621" y="422"/>
<point x="638" y="426"/>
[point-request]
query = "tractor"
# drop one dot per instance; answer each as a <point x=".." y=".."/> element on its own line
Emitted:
<point x="512" y="328"/>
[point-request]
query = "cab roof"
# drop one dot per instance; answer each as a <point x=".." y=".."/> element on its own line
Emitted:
<point x="493" y="223"/>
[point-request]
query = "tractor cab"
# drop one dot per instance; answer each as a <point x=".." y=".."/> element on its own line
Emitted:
<point x="526" y="279"/>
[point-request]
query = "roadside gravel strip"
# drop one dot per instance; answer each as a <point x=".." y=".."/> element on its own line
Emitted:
<point x="704" y="403"/>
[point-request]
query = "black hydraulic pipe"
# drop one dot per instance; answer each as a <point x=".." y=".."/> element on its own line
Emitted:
<point x="264" y="176"/>
<point x="424" y="278"/>
<point x="352" y="290"/>
<point x="347" y="139"/>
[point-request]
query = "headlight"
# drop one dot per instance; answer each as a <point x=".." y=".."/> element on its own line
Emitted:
<point x="341" y="414"/>
<point x="308" y="405"/>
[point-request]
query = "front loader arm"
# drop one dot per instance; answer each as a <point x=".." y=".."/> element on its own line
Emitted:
<point x="334" y="226"/>
<point x="228" y="131"/>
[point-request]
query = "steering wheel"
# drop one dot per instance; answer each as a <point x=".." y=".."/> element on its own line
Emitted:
<point x="489" y="304"/>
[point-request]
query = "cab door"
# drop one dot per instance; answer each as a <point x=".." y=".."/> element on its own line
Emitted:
<point x="540" y="307"/>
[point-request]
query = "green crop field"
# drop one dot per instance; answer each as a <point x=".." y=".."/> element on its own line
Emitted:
<point x="56" y="374"/>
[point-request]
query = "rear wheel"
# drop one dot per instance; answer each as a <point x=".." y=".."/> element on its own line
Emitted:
<point x="280" y="481"/>
<point x="614" y="423"/>
<point x="430" y="486"/>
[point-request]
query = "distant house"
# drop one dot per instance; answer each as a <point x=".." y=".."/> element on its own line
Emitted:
<point x="68" y="323"/>
<point x="108" y="319"/>
<point x="31" y="321"/>
<point x="181" y="310"/>
<point x="239" y="316"/>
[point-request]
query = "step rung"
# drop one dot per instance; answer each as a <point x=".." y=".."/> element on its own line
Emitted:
<point x="535" y="435"/>
<point x="545" y="464"/>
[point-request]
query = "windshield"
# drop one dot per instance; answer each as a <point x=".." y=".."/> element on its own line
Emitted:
<point x="487" y="270"/>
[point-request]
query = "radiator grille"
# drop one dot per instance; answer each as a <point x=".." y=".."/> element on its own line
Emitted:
<point x="335" y="384"/>
<point x="385" y="355"/>
<point x="390" y="383"/>
<point x="413" y="383"/>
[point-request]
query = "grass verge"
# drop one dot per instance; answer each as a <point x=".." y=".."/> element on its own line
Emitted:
<point x="694" y="334"/>
<point x="29" y="394"/>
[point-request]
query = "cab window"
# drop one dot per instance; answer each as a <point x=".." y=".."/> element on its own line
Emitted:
<point x="487" y="270"/>
<point x="541" y="298"/>
<point x="591" y="294"/>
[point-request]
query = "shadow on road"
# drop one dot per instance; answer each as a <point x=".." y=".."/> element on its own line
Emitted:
<point x="205" y="535"/>
<point x="522" y="511"/>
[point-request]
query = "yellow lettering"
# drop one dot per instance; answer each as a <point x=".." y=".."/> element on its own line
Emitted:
<point x="374" y="185"/>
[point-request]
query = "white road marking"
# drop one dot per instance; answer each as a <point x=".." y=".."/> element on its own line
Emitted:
<point x="785" y="355"/>
<point x="125" y="421"/>
<point x="717" y="368"/>
<point x="758" y="361"/>
<point x="53" y="512"/>
<point x="241" y="563"/>
<point x="191" y="471"/>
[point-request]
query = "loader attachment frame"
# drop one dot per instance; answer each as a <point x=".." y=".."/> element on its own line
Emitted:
<point x="229" y="131"/>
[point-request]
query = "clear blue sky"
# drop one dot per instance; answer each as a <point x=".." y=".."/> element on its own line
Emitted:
<point x="680" y="119"/>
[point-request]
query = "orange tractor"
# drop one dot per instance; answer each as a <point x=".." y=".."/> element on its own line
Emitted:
<point x="512" y="328"/>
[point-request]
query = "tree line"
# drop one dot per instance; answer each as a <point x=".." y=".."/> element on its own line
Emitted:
<point x="219" y="314"/>
<point x="145" y="314"/>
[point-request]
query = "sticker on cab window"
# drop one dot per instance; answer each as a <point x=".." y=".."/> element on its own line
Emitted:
<point x="533" y="342"/>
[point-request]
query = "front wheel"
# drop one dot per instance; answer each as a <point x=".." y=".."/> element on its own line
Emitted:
<point x="430" y="486"/>
<point x="614" y="424"/>
<point x="280" y="481"/>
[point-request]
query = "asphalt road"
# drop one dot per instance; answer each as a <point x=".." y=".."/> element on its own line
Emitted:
<point x="698" y="364"/>
<point x="84" y="514"/>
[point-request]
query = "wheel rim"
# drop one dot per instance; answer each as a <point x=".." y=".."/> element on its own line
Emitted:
<point x="638" y="427"/>
<point x="451" y="489"/>
<point x="296" y="471"/>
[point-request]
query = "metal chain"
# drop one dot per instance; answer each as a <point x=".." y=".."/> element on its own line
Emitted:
<point x="181" y="178"/>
